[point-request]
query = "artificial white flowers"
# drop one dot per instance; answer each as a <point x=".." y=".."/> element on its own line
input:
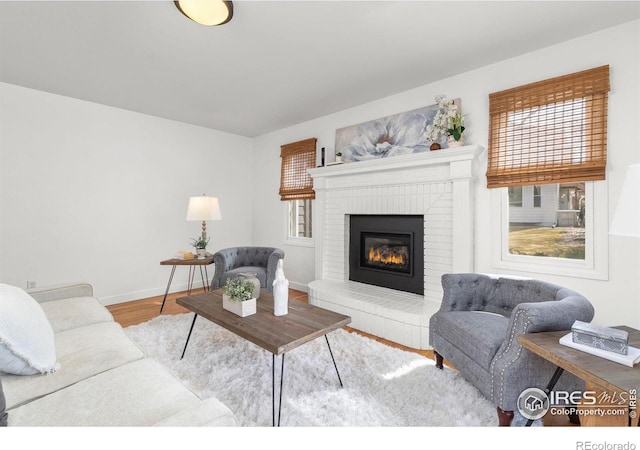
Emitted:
<point x="447" y="122"/>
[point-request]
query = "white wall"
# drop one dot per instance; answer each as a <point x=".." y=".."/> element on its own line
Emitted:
<point x="615" y="300"/>
<point x="99" y="194"/>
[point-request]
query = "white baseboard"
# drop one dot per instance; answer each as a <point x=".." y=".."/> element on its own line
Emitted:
<point x="298" y="286"/>
<point x="145" y="293"/>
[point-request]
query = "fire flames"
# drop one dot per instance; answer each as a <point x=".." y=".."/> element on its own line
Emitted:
<point x="376" y="255"/>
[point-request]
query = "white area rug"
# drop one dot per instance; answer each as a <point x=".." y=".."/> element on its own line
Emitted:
<point x="383" y="386"/>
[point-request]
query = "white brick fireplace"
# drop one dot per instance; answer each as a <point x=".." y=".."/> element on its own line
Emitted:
<point x="438" y="185"/>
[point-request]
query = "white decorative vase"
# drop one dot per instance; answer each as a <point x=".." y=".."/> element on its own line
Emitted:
<point x="242" y="309"/>
<point x="280" y="291"/>
<point x="201" y="252"/>
<point x="451" y="142"/>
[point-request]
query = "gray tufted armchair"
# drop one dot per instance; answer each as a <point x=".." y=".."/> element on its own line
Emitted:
<point x="261" y="261"/>
<point x="477" y="329"/>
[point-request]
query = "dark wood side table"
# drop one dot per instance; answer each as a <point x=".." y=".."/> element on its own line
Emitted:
<point x="192" y="263"/>
<point x="610" y="380"/>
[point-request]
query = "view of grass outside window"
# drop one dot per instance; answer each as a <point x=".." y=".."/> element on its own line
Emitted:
<point x="547" y="220"/>
<point x="300" y="218"/>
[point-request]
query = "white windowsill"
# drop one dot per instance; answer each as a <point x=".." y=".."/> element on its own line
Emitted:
<point x="300" y="242"/>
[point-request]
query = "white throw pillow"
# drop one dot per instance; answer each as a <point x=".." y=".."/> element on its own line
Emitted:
<point x="27" y="342"/>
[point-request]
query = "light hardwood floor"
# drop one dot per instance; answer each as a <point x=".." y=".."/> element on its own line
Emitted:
<point x="138" y="311"/>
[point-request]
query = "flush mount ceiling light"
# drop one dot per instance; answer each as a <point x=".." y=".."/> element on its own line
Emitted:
<point x="206" y="12"/>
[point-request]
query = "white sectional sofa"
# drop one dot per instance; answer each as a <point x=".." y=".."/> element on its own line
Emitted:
<point x="103" y="379"/>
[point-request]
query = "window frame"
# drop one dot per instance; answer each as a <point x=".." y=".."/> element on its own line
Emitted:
<point x="296" y="240"/>
<point x="537" y="196"/>
<point x="596" y="262"/>
<point x="296" y="184"/>
<point x="529" y="156"/>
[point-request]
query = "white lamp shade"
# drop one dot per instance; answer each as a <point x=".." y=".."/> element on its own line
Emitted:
<point x="203" y="208"/>
<point x="626" y="219"/>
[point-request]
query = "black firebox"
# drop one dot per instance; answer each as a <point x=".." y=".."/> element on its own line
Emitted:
<point x="387" y="251"/>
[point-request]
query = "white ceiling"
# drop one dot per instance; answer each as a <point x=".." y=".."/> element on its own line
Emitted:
<point x="276" y="63"/>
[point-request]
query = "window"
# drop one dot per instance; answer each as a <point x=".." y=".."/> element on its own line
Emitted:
<point x="556" y="231"/>
<point x="515" y="196"/>
<point x="296" y="188"/>
<point x="300" y="219"/>
<point x="547" y="146"/>
<point x="582" y="251"/>
<point x="537" y="196"/>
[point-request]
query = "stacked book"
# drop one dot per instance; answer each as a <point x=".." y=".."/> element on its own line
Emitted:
<point x="605" y="342"/>
<point x="184" y="255"/>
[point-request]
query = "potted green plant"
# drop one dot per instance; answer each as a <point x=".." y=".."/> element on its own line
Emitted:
<point x="200" y="243"/>
<point x="455" y="130"/>
<point x="237" y="296"/>
<point x="338" y="157"/>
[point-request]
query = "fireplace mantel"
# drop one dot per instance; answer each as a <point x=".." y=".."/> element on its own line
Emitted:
<point x="463" y="155"/>
<point x="438" y="185"/>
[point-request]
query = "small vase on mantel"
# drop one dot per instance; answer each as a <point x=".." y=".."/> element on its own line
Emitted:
<point x="451" y="141"/>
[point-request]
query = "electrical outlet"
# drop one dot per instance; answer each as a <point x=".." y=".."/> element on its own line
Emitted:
<point x="31" y="284"/>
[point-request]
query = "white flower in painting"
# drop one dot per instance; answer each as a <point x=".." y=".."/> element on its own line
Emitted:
<point x="398" y="135"/>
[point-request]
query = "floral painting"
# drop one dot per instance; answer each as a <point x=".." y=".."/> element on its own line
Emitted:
<point x="400" y="134"/>
<point x="395" y="135"/>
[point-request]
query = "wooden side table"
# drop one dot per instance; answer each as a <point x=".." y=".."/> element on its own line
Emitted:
<point x="192" y="263"/>
<point x="609" y="380"/>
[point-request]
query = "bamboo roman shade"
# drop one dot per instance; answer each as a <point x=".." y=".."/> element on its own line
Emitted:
<point x="552" y="131"/>
<point x="295" y="182"/>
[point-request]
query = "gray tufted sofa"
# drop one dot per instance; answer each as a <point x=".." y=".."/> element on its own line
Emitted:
<point x="261" y="261"/>
<point x="477" y="329"/>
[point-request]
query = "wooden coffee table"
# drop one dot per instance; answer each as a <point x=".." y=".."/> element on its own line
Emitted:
<point x="276" y="334"/>
<point x="607" y="378"/>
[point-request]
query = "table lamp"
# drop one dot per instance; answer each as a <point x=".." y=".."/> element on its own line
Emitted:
<point x="204" y="208"/>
